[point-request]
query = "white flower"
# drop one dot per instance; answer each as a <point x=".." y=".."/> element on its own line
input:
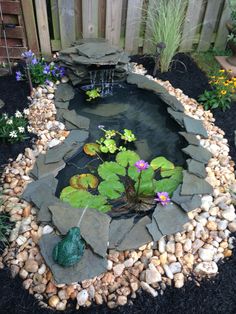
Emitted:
<point x="26" y="111"/>
<point x="5" y="116"/>
<point x="29" y="129"/>
<point x="21" y="129"/>
<point x="18" y="114"/>
<point x="9" y="121"/>
<point x="13" y="134"/>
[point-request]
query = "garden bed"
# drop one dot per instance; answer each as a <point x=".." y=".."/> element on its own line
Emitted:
<point x="42" y="143"/>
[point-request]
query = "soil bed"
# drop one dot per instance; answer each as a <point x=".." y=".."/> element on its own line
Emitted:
<point x="214" y="296"/>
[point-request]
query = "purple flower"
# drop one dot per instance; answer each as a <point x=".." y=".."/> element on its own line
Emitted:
<point x="34" y="61"/>
<point x="141" y="165"/>
<point x="47" y="82"/>
<point x="62" y="72"/>
<point x="27" y="54"/>
<point x="18" y="75"/>
<point x="46" y="69"/>
<point x="163" y="198"/>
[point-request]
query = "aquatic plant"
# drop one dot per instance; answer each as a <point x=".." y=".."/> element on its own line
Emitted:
<point x="93" y="94"/>
<point x="128" y="180"/>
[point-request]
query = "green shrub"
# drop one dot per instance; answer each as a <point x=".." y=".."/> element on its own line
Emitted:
<point x="164" y="24"/>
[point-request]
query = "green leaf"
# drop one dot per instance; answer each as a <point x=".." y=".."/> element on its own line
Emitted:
<point x="111" y="189"/>
<point x="161" y="162"/>
<point x="91" y="149"/>
<point x="176" y="173"/>
<point x="146" y="188"/>
<point x="81" y="198"/>
<point x="126" y="158"/>
<point x="147" y="174"/>
<point x="110" y="170"/>
<point x="84" y="181"/>
<point x="166" y="185"/>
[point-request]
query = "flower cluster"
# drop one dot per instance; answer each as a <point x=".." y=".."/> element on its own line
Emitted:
<point x="13" y="129"/>
<point x="222" y="89"/>
<point x="39" y="70"/>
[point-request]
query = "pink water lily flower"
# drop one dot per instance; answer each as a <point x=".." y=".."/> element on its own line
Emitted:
<point x="141" y="165"/>
<point x="163" y="198"/>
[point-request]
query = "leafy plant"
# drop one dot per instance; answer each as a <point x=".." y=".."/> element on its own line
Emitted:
<point x="13" y="129"/>
<point x="38" y="71"/>
<point x="222" y="90"/>
<point x="164" y="24"/>
<point x="93" y="94"/>
<point x="5" y="228"/>
<point x="127" y="178"/>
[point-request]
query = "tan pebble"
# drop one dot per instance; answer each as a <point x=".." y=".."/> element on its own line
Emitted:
<point x="31" y="266"/>
<point x="61" y="306"/>
<point x="121" y="300"/>
<point x="108" y="278"/>
<point x="39" y="288"/>
<point x="98" y="298"/>
<point x="111" y="304"/>
<point x="22" y="256"/>
<point x="227" y="253"/>
<point x="23" y="274"/>
<point x="37" y="278"/>
<point x="118" y="269"/>
<point x="14" y="270"/>
<point x="211" y="225"/>
<point x="70" y="290"/>
<point x="26" y="211"/>
<point x="27" y="283"/>
<point x="163" y="258"/>
<point x="63" y="294"/>
<point x="134" y="286"/>
<point x="53" y="301"/>
<point x="178" y="249"/>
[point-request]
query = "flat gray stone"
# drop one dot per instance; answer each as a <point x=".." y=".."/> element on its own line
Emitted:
<point x="60" y="113"/>
<point x="197" y="168"/>
<point x="170" y="218"/>
<point x="187" y="203"/>
<point x="76" y="137"/>
<point x="97" y="50"/>
<point x="137" y="236"/>
<point x="195" y="126"/>
<point x="68" y="51"/>
<point x="118" y="230"/>
<point x="172" y="101"/>
<point x="64" y="92"/>
<point x="50" y="182"/>
<point x="198" y="153"/>
<point x="154" y="230"/>
<point x="62" y="104"/>
<point x="106" y="60"/>
<point x="190" y="138"/>
<point x="79" y="121"/>
<point x="94" y="225"/>
<point x="177" y="116"/>
<point x="88" y="267"/>
<point x="194" y="185"/>
<point x="44" y="169"/>
<point x="143" y="82"/>
<point x="57" y="153"/>
<point x="2" y="103"/>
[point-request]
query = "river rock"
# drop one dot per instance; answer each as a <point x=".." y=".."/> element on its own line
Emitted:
<point x="82" y="297"/>
<point x="206" y="255"/>
<point x="206" y="268"/>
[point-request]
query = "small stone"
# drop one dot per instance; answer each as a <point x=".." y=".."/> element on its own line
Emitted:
<point x="21" y="240"/>
<point x="187" y="245"/>
<point x="170" y="246"/>
<point x="31" y="266"/>
<point x="129" y="262"/>
<point x="162" y="245"/>
<point x="168" y="271"/>
<point x="39" y="288"/>
<point x="109" y="264"/>
<point x="206" y="268"/>
<point x="22" y="256"/>
<point x="51" y="288"/>
<point x="50" y="96"/>
<point x="211" y="225"/>
<point x="232" y="226"/>
<point x="61" y="306"/>
<point x="47" y="229"/>
<point x="229" y="213"/>
<point x="175" y="267"/>
<point x="152" y="275"/>
<point x="163" y="258"/>
<point x="54" y="142"/>
<point x="206" y="255"/>
<point x="98" y="298"/>
<point x="82" y="297"/>
<point x="118" y="269"/>
<point x="23" y="274"/>
<point x="148" y="288"/>
<point x="53" y="301"/>
<point x="121" y="300"/>
<point x="64" y="79"/>
<point x="222" y="224"/>
<point x="42" y="269"/>
<point x="134" y="286"/>
<point x="179" y="280"/>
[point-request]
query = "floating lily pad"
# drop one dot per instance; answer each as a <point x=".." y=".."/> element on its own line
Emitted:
<point x="91" y="149"/>
<point x="111" y="189"/>
<point x="111" y="170"/>
<point x="163" y="163"/>
<point x="166" y="185"/>
<point x="127" y="158"/>
<point x="84" y="181"/>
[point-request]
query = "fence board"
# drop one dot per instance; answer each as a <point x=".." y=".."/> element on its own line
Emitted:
<point x="208" y="27"/>
<point x="14" y="52"/>
<point x="133" y="22"/>
<point x="17" y="32"/>
<point x="29" y="19"/>
<point x="11" y="7"/>
<point x="42" y="22"/>
<point x="67" y="22"/>
<point x="221" y="37"/>
<point x="90" y="18"/>
<point x="78" y="19"/>
<point x="101" y="18"/>
<point x="113" y="21"/>
<point x="55" y="19"/>
<point x="190" y="24"/>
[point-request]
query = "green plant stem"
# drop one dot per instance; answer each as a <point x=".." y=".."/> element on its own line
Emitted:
<point x="139" y="181"/>
<point x="99" y="157"/>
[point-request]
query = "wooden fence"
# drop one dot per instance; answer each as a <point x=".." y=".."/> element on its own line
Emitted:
<point x="55" y="24"/>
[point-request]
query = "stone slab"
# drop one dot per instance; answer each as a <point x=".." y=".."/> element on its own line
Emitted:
<point x="118" y="230"/>
<point x="172" y="101"/>
<point x="79" y="121"/>
<point x="94" y="225"/>
<point x="44" y="169"/>
<point x="154" y="230"/>
<point x="97" y="50"/>
<point x="170" y="218"/>
<point x="197" y="168"/>
<point x="187" y="203"/>
<point x="89" y="266"/>
<point x="198" y="153"/>
<point x="143" y="82"/>
<point x="64" y="92"/>
<point x="76" y="137"/>
<point x="62" y="104"/>
<point x="190" y="138"/>
<point x="57" y="153"/>
<point x="137" y="236"/>
<point x="195" y="126"/>
<point x="177" y="116"/>
<point x="194" y="185"/>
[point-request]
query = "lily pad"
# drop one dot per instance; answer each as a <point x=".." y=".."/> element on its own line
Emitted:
<point x="161" y="162"/>
<point x="84" y="181"/>
<point x="111" y="189"/>
<point x="126" y="158"/>
<point x="91" y="149"/>
<point x="147" y="174"/>
<point x="166" y="185"/>
<point x="111" y="170"/>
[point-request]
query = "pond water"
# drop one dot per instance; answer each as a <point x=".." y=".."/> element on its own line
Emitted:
<point x="136" y="109"/>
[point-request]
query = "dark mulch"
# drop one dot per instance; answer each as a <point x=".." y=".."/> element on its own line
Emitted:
<point x="215" y="296"/>
<point x="14" y="94"/>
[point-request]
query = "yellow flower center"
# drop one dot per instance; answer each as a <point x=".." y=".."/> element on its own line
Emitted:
<point x="141" y="165"/>
<point x="163" y="197"/>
